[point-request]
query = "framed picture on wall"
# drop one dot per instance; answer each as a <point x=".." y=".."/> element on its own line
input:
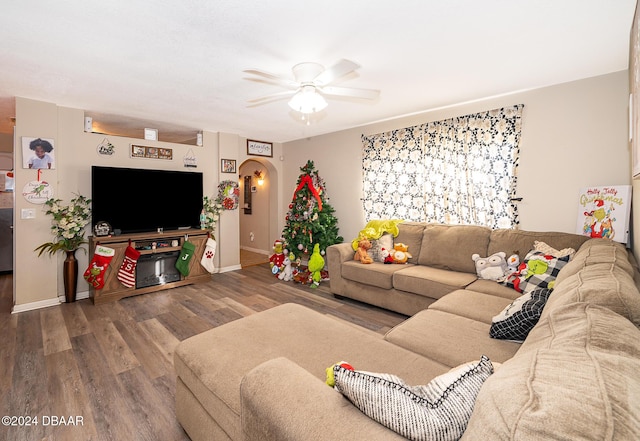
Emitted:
<point x="38" y="153"/>
<point x="259" y="148"/>
<point x="228" y="166"/>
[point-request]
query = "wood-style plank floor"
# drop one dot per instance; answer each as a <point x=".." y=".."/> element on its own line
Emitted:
<point x="86" y="372"/>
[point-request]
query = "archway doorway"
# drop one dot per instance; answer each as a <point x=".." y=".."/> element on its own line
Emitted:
<point x="258" y="211"/>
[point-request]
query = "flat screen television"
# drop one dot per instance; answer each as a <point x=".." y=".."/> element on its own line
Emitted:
<point x="136" y="200"/>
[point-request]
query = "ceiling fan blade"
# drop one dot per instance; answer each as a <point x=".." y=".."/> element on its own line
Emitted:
<point x="273" y="96"/>
<point x="367" y="94"/>
<point x="340" y="69"/>
<point x="270" y="78"/>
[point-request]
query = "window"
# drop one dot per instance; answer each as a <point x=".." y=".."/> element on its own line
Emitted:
<point x="457" y="171"/>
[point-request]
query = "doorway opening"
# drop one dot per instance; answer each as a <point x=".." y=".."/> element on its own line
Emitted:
<point x="258" y="211"/>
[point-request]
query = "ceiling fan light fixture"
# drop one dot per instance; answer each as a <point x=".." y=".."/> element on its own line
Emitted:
<point x="307" y="100"/>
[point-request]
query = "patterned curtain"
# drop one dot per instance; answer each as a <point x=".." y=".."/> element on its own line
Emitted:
<point x="470" y="163"/>
<point x="458" y="171"/>
<point x="393" y="175"/>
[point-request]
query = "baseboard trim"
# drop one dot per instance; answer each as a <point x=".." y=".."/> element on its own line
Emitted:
<point x="230" y="268"/>
<point x="45" y="303"/>
<point x="255" y="250"/>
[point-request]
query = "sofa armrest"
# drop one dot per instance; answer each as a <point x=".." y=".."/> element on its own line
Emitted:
<point x="282" y="401"/>
<point x="336" y="255"/>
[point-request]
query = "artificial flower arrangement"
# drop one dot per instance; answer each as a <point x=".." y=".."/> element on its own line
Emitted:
<point x="211" y="209"/>
<point x="67" y="225"/>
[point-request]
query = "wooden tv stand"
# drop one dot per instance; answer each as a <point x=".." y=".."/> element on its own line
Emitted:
<point x="114" y="290"/>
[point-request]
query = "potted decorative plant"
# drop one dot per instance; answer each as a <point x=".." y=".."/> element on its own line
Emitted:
<point x="68" y="228"/>
<point x="211" y="209"/>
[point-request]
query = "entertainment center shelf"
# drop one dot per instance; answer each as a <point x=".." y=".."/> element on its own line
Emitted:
<point x="167" y="243"/>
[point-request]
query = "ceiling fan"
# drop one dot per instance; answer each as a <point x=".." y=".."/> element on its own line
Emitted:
<point x="311" y="83"/>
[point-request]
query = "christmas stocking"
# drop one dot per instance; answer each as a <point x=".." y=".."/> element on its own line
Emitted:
<point x="186" y="253"/>
<point x="94" y="275"/>
<point x="127" y="271"/>
<point x="208" y="255"/>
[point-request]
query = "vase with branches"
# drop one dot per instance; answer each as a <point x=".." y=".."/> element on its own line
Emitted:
<point x="67" y="226"/>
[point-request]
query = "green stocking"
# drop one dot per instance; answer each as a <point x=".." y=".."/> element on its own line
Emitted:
<point x="186" y="253"/>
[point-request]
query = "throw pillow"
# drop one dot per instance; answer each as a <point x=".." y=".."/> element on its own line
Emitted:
<point x="385" y="242"/>
<point x="439" y="410"/>
<point x="539" y="270"/>
<point x="548" y="249"/>
<point x="516" y="320"/>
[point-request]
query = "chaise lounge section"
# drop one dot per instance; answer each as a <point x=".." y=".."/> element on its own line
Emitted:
<point x="574" y="377"/>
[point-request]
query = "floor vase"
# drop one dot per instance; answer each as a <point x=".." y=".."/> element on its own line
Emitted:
<point x="70" y="273"/>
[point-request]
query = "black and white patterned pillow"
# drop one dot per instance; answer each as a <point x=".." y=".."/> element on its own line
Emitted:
<point x="539" y="270"/>
<point x="439" y="410"/>
<point x="516" y="320"/>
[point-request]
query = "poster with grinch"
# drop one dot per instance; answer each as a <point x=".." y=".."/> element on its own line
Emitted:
<point x="604" y="212"/>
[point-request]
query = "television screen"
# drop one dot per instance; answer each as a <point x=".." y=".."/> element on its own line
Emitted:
<point x="139" y="200"/>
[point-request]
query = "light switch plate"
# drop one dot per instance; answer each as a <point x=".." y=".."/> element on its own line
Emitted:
<point x="28" y="213"/>
<point x="151" y="134"/>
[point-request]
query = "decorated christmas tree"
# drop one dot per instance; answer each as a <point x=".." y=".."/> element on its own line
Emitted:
<point x="310" y="219"/>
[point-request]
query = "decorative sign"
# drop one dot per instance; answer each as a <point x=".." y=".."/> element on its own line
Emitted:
<point x="37" y="192"/>
<point x="259" y="148"/>
<point x="604" y="212"/>
<point x="105" y="148"/>
<point x="139" y="151"/>
<point x="189" y="159"/>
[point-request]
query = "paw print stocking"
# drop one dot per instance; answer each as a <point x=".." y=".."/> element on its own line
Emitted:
<point x="208" y="255"/>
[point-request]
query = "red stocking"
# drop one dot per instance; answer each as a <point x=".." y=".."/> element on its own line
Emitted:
<point x="127" y="271"/>
<point x="94" y="275"/>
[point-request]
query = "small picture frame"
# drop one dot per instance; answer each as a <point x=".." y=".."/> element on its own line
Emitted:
<point x="259" y="148"/>
<point x="228" y="165"/>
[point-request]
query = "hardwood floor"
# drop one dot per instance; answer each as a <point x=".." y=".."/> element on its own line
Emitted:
<point x="109" y="368"/>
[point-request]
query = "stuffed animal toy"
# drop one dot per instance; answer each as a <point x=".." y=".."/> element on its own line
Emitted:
<point x="513" y="262"/>
<point x="331" y="379"/>
<point x="400" y="253"/>
<point x="387" y="258"/>
<point x="364" y="245"/>
<point x="316" y="263"/>
<point x="276" y="261"/>
<point x="493" y="267"/>
<point x="287" y="273"/>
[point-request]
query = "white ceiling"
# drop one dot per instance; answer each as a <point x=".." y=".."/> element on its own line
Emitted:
<point x="181" y="62"/>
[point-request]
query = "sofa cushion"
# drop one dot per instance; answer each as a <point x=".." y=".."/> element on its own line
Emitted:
<point x="603" y="284"/>
<point x="521" y="242"/>
<point x="518" y="319"/>
<point x="439" y="410"/>
<point x="449" y="338"/>
<point x="493" y="288"/>
<point x="410" y="234"/>
<point x="450" y="247"/>
<point x="376" y="274"/>
<point x="598" y="251"/>
<point x="430" y="282"/>
<point x="580" y="382"/>
<point x="212" y="364"/>
<point x="474" y="305"/>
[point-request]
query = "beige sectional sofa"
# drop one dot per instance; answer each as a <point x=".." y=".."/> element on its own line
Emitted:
<point x="574" y="377"/>
<point x="440" y="264"/>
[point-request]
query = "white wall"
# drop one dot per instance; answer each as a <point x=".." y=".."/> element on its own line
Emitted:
<point x="573" y="135"/>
